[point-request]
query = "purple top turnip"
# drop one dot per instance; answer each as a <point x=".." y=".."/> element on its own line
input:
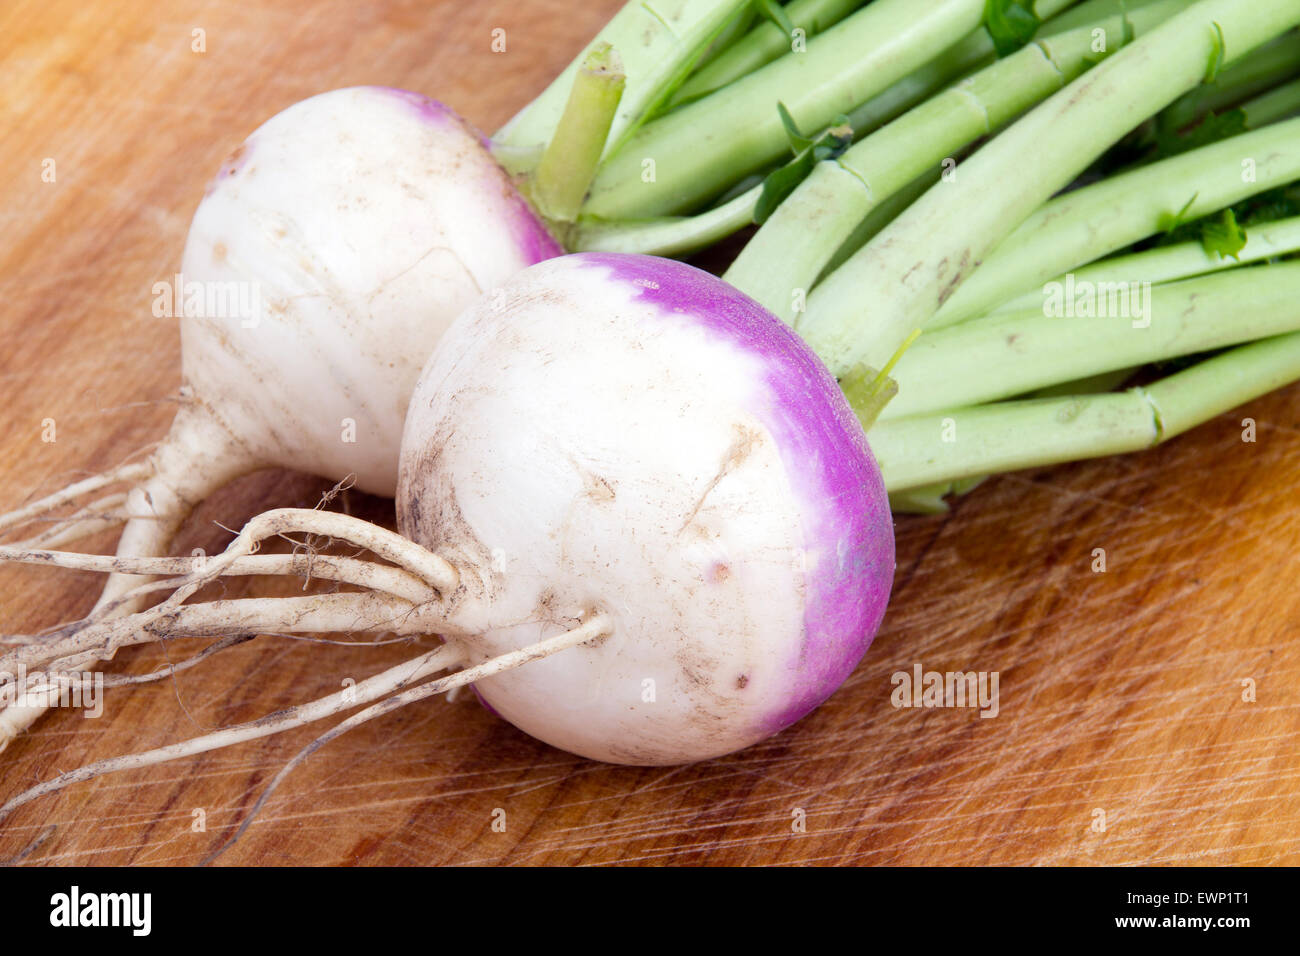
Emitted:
<point x="630" y="435"/>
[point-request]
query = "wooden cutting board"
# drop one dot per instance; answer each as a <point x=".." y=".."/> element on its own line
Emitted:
<point x="1122" y="734"/>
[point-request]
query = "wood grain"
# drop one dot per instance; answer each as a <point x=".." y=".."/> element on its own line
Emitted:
<point x="1120" y="691"/>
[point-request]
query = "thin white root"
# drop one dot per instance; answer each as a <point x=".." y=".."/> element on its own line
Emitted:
<point x="362" y="692"/>
<point x="172" y="668"/>
<point x="104" y="637"/>
<point x="68" y="674"/>
<point x="99" y="515"/>
<point x="317" y="613"/>
<point x="133" y="472"/>
<point x="62" y="535"/>
<point x="80" y="662"/>
<point x="388" y="682"/>
<point x="406" y="554"/>
<point x="198" y="455"/>
<point x="367" y="574"/>
<point x="596" y="628"/>
<point x="389" y="545"/>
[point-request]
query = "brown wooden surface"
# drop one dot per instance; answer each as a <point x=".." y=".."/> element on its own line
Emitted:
<point x="1119" y="691"/>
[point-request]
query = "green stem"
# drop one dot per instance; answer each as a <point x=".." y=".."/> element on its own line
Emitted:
<point x="678" y="235"/>
<point x="1249" y="76"/>
<point x="1088" y="223"/>
<point x="1080" y="331"/>
<point x="929" y="499"/>
<point x="670" y="235"/>
<point x="735" y="30"/>
<point x="679" y="160"/>
<point x="763" y="44"/>
<point x="879" y="218"/>
<point x="560" y="182"/>
<point x="973" y="51"/>
<point x="911" y="268"/>
<point x="793" y="247"/>
<point x="926" y="450"/>
<point x="1272" y="106"/>
<point x="1210" y="388"/>
<point x="658" y="43"/>
<point x="780" y="263"/>
<point x="1171" y="263"/>
<point x="1060" y="20"/>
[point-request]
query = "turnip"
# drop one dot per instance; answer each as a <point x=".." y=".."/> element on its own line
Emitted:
<point x="612" y="451"/>
<point x="652" y="444"/>
<point x="337" y="243"/>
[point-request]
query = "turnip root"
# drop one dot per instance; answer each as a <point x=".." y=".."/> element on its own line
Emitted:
<point x="636" y="506"/>
<point x="371" y="217"/>
<point x="327" y="257"/>
<point x="655" y="445"/>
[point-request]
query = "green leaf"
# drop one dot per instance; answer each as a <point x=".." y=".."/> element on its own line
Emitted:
<point x="776" y="13"/>
<point x="1171" y="224"/>
<point x="920" y="501"/>
<point x="807" y="153"/>
<point x="1223" y="236"/>
<point x="1225" y="231"/>
<point x="1010" y="24"/>
<point x="1216" y="55"/>
<point x="868" y="391"/>
<point x="781" y="183"/>
<point x="798" y="142"/>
